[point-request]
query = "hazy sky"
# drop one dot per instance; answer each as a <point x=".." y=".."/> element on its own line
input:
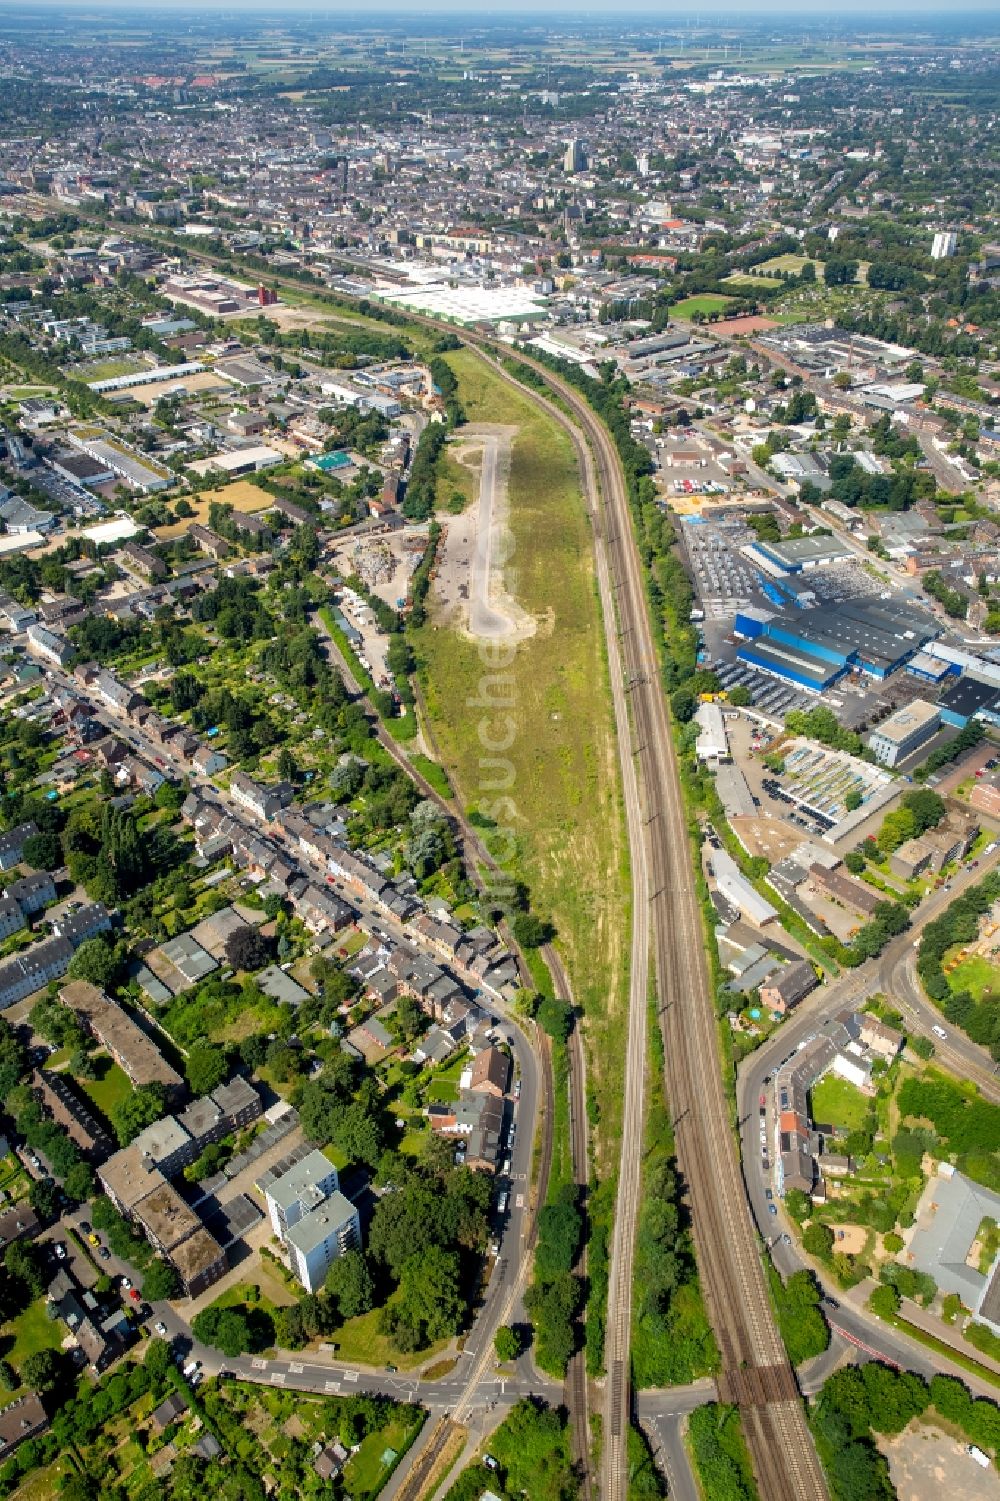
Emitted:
<point x="647" y="10"/>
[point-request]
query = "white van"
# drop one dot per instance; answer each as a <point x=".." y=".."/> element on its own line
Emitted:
<point x="977" y="1454"/>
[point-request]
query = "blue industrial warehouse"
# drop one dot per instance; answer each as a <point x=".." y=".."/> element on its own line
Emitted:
<point x="813" y="648"/>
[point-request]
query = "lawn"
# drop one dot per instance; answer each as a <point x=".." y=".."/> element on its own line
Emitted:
<point x="273" y="1293"/>
<point x="42" y="1485"/>
<point x="368" y="1469"/>
<point x="359" y="1340"/>
<point x="110" y="1089"/>
<point x="707" y="302"/>
<point x="32" y="1330"/>
<point x="835" y="1102"/>
<point x="975" y="974"/>
<point x="793" y="263"/>
<point x="554" y="790"/>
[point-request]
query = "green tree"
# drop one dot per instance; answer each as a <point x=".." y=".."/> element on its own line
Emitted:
<point x="136" y="1111"/>
<point x="205" y="1067"/>
<point x="507" y="1343"/>
<point x="817" y="1239"/>
<point x="79" y="1182"/>
<point x="798" y="1204"/>
<point x="43" y="851"/>
<point x="42" y="1370"/>
<point x="884" y="1301"/>
<point x="349" y="1284"/>
<point x="97" y="960"/>
<point x="160" y="1281"/>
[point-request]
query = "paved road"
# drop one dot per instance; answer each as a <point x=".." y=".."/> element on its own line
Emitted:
<point x="893" y="974"/>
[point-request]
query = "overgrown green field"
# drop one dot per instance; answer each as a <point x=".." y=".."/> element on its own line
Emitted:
<point x="551" y="702"/>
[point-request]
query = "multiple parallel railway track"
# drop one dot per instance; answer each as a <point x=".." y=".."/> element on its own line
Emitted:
<point x="755" y="1370"/>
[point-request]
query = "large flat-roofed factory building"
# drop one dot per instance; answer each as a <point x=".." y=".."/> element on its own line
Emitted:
<point x="813" y="648"/>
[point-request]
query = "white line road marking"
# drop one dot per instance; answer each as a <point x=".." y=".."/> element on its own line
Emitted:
<point x="295" y="1368"/>
<point x="350" y="1375"/>
<point x="333" y="1386"/>
<point x="258" y="1364"/>
<point x="278" y="1378"/>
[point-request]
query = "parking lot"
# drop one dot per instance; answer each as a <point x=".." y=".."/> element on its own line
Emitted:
<point x="767" y="694"/>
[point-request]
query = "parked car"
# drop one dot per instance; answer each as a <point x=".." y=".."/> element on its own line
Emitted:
<point x="160" y="1328"/>
<point x="772" y="1208"/>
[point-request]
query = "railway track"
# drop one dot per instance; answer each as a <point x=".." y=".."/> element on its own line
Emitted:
<point x="755" y="1370"/>
<point x="575" y="1394"/>
<point x="422" y="1468"/>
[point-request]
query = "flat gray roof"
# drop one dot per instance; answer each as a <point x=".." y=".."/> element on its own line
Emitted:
<point x="313" y="1229"/>
<point x="302" y="1179"/>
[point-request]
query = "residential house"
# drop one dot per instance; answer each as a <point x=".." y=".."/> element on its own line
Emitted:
<point x="879" y="1038"/>
<point x="264" y="802"/>
<point x="317" y="1240"/>
<point x="18" y="1223"/>
<point x="21" y="1420"/>
<point x="50" y="647"/>
<point x="12" y="842"/>
<point x="490" y="1072"/>
<point x="32" y="893"/>
<point x="56" y="1093"/>
<point x="789" y="986"/>
<point x="115" y="1030"/>
<point x="12" y="918"/>
<point x="207" y="760"/>
<point x="24" y="973"/>
<point x="136" y="559"/>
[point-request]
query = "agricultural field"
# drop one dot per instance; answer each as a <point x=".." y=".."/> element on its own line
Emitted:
<point x="560" y="780"/>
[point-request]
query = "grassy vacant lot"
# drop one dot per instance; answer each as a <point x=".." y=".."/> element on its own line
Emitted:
<point x="746" y="283"/>
<point x="457" y="482"/>
<point x="559" y="770"/>
<point x="707" y="302"/>
<point x="359" y="1340"/>
<point x="835" y="1102"/>
<point x="242" y="495"/>
<point x="365" y="1470"/>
